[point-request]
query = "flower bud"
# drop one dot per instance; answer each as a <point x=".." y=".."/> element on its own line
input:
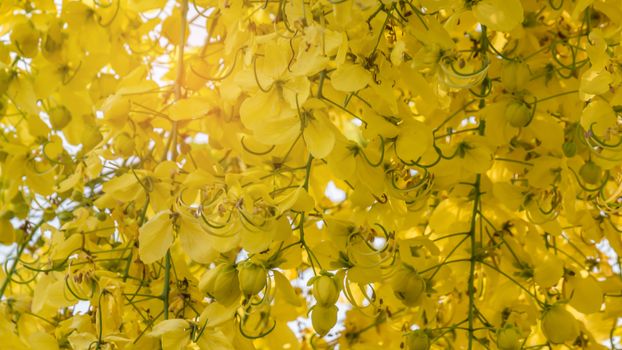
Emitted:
<point x="5" y="80"/>
<point x="252" y="278"/>
<point x="26" y="38"/>
<point x="558" y="325"/>
<point x="515" y="75"/>
<point x="91" y="136"/>
<point x="59" y="117"/>
<point x="509" y="338"/>
<point x="325" y="290"/>
<point x="590" y="172"/>
<point x="417" y="340"/>
<point x="569" y="148"/>
<point x="221" y="283"/>
<point x="408" y="286"/>
<point x="123" y="144"/>
<point x="323" y="318"/>
<point x="518" y="114"/>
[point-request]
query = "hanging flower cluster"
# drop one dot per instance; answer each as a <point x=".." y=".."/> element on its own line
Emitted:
<point x="310" y="174"/>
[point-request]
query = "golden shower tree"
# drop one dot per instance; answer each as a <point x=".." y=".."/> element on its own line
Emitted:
<point x="310" y="174"/>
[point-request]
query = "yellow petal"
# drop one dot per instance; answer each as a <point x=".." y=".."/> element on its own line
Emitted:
<point x="501" y="15"/>
<point x="319" y="138"/>
<point x="215" y="314"/>
<point x="587" y="296"/>
<point x="350" y="77"/>
<point x="595" y="82"/>
<point x="285" y="289"/>
<point x="413" y="140"/>
<point x="298" y="200"/>
<point x="189" y="108"/>
<point x="195" y="241"/>
<point x="42" y="341"/>
<point x="450" y="216"/>
<point x="155" y="237"/>
<point x="599" y="116"/>
<point x="548" y="271"/>
<point x="173" y="332"/>
<point x="257" y="107"/>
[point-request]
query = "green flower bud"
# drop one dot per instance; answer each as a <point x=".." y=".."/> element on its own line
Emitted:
<point x="77" y="196"/>
<point x="408" y="286"/>
<point x="91" y="136"/>
<point x="5" y="80"/>
<point x="221" y="283"/>
<point x="590" y="172"/>
<point x="65" y="216"/>
<point x="252" y="278"/>
<point x="59" y="117"/>
<point x="417" y="340"/>
<point x="123" y="144"/>
<point x="325" y="290"/>
<point x="569" y="148"/>
<point x="518" y="114"/>
<point x="26" y="38"/>
<point x="509" y="338"/>
<point x="515" y="75"/>
<point x="323" y="318"/>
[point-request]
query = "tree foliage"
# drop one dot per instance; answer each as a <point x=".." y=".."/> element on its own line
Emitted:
<point x="351" y="174"/>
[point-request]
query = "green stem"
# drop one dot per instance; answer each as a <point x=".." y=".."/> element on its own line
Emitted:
<point x="305" y="185"/>
<point x="558" y="95"/>
<point x="471" y="290"/>
<point x="173" y="140"/>
<point x="18" y="255"/>
<point x="167" y="282"/>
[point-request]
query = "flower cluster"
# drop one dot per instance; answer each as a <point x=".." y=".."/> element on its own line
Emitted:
<point x="310" y="174"/>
